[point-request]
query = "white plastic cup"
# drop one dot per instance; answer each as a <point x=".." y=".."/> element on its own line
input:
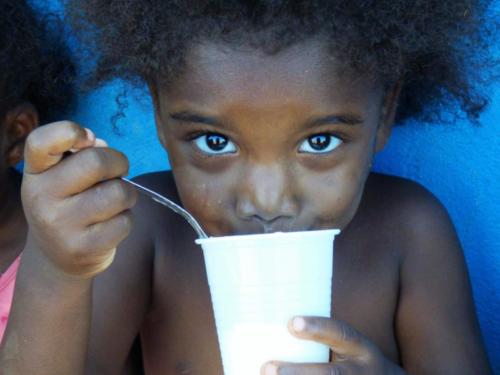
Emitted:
<point x="258" y="283"/>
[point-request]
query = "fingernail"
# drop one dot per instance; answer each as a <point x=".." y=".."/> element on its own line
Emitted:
<point x="299" y="324"/>
<point x="100" y="143"/>
<point x="271" y="369"/>
<point x="90" y="134"/>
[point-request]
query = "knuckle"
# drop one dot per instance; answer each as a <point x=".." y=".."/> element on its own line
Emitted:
<point x="49" y="218"/>
<point x="44" y="217"/>
<point x="119" y="191"/>
<point x="130" y="195"/>
<point x="95" y="163"/>
<point x="317" y="326"/>
<point x="113" y="193"/>
<point x="72" y="127"/>
<point x="100" y="196"/>
<point x="346" y="333"/>
<point x="68" y="127"/>
<point x="123" y="224"/>
<point x="124" y="161"/>
<point x="127" y="221"/>
<point x="110" y="233"/>
<point x="33" y="142"/>
<point x="74" y="250"/>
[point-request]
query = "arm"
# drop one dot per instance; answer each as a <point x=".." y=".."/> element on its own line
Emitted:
<point x="45" y="336"/>
<point x="77" y="214"/>
<point x="436" y="322"/>
<point x="121" y="291"/>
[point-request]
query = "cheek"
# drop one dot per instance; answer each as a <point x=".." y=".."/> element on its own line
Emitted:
<point x="335" y="196"/>
<point x="207" y="199"/>
<point x="206" y="194"/>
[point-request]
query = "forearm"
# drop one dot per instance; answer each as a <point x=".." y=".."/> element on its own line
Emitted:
<point x="49" y="323"/>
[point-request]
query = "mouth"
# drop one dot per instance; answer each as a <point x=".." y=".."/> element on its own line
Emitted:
<point x="234" y="226"/>
<point x="257" y="226"/>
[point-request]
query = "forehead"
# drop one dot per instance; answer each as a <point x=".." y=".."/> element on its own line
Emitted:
<point x="305" y="73"/>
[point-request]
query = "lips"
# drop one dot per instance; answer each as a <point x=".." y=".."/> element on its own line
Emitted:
<point x="256" y="226"/>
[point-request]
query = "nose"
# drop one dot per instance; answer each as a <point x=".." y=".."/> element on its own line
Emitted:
<point x="266" y="194"/>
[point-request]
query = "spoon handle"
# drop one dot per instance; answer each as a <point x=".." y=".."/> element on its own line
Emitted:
<point x="173" y="206"/>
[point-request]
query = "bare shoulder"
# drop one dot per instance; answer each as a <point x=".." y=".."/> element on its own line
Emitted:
<point x="163" y="224"/>
<point x="435" y="317"/>
<point x="162" y="182"/>
<point x="413" y="216"/>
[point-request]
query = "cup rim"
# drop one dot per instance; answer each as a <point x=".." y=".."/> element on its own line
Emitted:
<point x="201" y="241"/>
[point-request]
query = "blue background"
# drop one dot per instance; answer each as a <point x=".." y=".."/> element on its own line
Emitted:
<point x="460" y="164"/>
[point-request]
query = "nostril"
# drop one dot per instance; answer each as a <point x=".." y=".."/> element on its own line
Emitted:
<point x="248" y="211"/>
<point x="267" y="220"/>
<point x="265" y="197"/>
<point x="276" y="224"/>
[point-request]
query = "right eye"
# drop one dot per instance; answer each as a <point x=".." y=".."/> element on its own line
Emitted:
<point x="215" y="144"/>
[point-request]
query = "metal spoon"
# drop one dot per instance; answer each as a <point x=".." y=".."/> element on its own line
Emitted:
<point x="173" y="206"/>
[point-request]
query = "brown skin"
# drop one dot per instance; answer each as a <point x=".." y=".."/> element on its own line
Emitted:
<point x="402" y="298"/>
<point x="14" y="128"/>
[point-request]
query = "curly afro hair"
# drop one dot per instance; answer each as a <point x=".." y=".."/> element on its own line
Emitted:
<point x="35" y="63"/>
<point x="437" y="48"/>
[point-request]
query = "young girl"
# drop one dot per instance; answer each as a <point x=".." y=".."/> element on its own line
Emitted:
<point x="34" y="82"/>
<point x="271" y="112"/>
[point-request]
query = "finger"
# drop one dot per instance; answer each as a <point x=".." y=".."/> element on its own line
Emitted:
<point x="82" y="145"/>
<point x="286" y="368"/>
<point x="104" y="236"/>
<point x="82" y="170"/>
<point x="104" y="201"/>
<point x="93" y="250"/>
<point x="339" y="336"/>
<point x="45" y="146"/>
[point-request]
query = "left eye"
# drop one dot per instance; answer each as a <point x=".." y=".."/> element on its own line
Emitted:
<point x="215" y="144"/>
<point x="320" y="144"/>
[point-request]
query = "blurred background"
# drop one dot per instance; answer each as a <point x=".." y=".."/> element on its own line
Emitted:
<point x="459" y="163"/>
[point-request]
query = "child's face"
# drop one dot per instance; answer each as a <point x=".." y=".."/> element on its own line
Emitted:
<point x="270" y="143"/>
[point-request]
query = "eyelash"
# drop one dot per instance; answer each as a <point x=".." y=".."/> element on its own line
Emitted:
<point x="211" y="150"/>
<point x="197" y="134"/>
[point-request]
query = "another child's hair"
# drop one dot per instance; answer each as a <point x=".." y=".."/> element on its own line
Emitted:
<point x="35" y="64"/>
<point x="436" y="48"/>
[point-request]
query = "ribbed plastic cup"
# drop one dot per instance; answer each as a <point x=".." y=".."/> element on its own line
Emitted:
<point x="257" y="284"/>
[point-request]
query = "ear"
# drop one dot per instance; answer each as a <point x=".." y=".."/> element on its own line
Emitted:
<point x="18" y="123"/>
<point x="388" y="115"/>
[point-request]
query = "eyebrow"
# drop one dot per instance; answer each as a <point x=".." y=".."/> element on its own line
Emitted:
<point x="187" y="116"/>
<point x="347" y="119"/>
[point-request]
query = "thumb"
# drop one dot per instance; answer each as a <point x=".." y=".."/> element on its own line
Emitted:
<point x="46" y="145"/>
<point x="342" y="338"/>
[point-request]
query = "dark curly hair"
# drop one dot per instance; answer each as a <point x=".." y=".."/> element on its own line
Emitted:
<point x="35" y="64"/>
<point x="438" y="48"/>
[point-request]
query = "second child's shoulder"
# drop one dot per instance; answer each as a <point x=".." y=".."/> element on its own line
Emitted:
<point x="408" y="214"/>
